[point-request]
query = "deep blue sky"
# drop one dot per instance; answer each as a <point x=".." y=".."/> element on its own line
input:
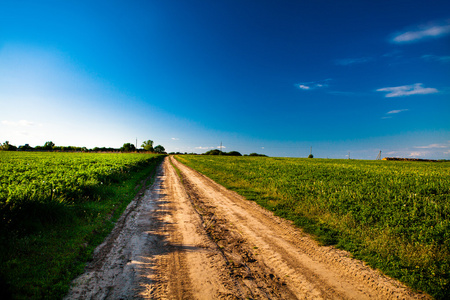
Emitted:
<point x="273" y="77"/>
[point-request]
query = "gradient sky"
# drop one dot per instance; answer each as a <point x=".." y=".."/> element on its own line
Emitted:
<point x="273" y="77"/>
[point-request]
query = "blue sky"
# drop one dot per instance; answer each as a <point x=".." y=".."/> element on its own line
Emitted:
<point x="273" y="77"/>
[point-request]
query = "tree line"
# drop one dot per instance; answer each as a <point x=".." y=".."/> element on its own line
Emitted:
<point x="231" y="153"/>
<point x="146" y="146"/>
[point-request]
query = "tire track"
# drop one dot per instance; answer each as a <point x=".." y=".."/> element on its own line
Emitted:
<point x="308" y="270"/>
<point x="187" y="237"/>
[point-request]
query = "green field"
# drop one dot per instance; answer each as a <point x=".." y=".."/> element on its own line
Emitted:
<point x="395" y="215"/>
<point x="54" y="209"/>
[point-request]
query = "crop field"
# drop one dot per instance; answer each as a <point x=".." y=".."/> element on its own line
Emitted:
<point x="395" y="215"/>
<point x="54" y="209"/>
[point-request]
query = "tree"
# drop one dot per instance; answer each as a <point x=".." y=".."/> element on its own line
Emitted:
<point x="256" y="154"/>
<point x="233" y="153"/>
<point x="128" y="147"/>
<point x="218" y="152"/>
<point x="213" y="152"/>
<point x="159" y="149"/>
<point x="48" y="145"/>
<point x="310" y="156"/>
<point x="148" y="145"/>
<point x="25" y="147"/>
<point x="8" y="147"/>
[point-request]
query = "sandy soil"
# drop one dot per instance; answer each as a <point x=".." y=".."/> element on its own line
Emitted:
<point x="191" y="238"/>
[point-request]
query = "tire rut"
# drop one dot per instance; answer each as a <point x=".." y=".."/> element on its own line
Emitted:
<point x="186" y="237"/>
<point x="295" y="264"/>
<point x="254" y="279"/>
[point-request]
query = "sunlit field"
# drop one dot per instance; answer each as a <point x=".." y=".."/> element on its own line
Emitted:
<point x="394" y="215"/>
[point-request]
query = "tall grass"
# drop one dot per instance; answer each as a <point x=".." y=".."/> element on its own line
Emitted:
<point x="395" y="215"/>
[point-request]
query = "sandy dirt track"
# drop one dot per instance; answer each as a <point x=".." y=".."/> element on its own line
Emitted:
<point x="191" y="238"/>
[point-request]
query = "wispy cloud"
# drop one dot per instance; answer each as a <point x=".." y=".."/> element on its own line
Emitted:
<point x="434" y="151"/>
<point x="422" y="32"/>
<point x="432" y="146"/>
<point x="312" y="85"/>
<point x="389" y="114"/>
<point x="407" y="90"/>
<point x="208" y="148"/>
<point x="21" y="123"/>
<point x="418" y="154"/>
<point x="429" y="57"/>
<point x="397" y="111"/>
<point x="175" y="139"/>
<point x="351" y="61"/>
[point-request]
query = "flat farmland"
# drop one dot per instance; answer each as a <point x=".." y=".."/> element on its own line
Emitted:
<point x="187" y="237"/>
<point x="395" y="215"/>
<point x="54" y="209"/>
<point x="122" y="226"/>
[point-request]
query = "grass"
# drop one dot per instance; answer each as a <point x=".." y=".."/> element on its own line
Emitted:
<point x="395" y="215"/>
<point x="47" y="238"/>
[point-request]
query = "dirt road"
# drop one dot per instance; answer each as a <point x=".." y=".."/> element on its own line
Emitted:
<point x="193" y="239"/>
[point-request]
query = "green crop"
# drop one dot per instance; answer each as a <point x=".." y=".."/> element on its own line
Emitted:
<point x="55" y="208"/>
<point x="30" y="181"/>
<point x="394" y="215"/>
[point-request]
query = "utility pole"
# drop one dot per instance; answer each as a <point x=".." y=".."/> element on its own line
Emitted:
<point x="220" y="147"/>
<point x="348" y="154"/>
<point x="379" y="156"/>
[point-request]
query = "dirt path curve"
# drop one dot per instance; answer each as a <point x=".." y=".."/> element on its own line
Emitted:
<point x="194" y="239"/>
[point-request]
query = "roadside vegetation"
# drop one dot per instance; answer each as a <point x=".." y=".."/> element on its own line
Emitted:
<point x="395" y="215"/>
<point x="55" y="208"/>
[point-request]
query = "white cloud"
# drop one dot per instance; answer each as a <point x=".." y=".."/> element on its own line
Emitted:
<point x="437" y="150"/>
<point x="422" y="32"/>
<point x="407" y="90"/>
<point x="432" y="146"/>
<point x="207" y="148"/>
<point x="351" y="61"/>
<point x="396" y="111"/>
<point x="20" y="123"/>
<point x="430" y="57"/>
<point x="312" y="85"/>
<point x="175" y="139"/>
<point x="417" y="154"/>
